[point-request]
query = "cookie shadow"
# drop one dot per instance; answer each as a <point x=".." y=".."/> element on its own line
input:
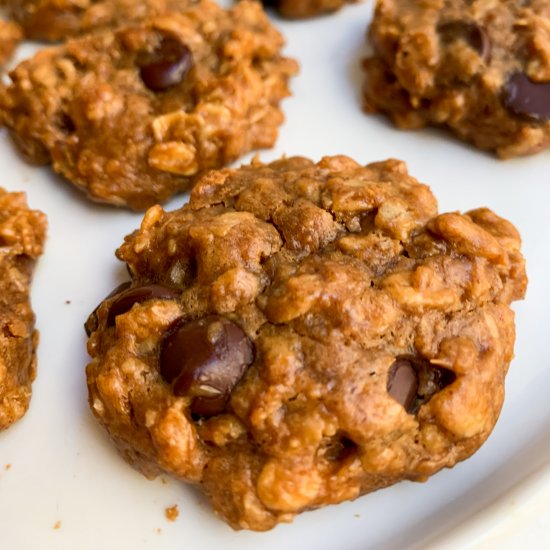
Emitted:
<point x="361" y="50"/>
<point x="474" y="501"/>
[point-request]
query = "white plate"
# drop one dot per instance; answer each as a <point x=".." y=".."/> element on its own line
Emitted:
<point x="63" y="468"/>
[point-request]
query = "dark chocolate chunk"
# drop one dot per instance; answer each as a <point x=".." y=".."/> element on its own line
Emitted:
<point x="470" y="32"/>
<point x="431" y="380"/>
<point x="403" y="383"/>
<point x="413" y="381"/>
<point x="524" y="97"/>
<point x="168" y="65"/>
<point x="66" y="123"/>
<point x="91" y="323"/>
<point x="338" y="448"/>
<point x="205" y="359"/>
<point x="138" y="295"/>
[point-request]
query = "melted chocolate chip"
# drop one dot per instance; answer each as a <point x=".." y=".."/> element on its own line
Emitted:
<point x="91" y="323"/>
<point x="168" y="66"/>
<point x="204" y="360"/>
<point x="413" y="382"/>
<point x="524" y="97"/>
<point x="66" y="124"/>
<point x="138" y="295"/>
<point x="470" y="32"/>
<point x="403" y="383"/>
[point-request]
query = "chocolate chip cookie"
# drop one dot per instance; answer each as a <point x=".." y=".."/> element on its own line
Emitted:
<point x="481" y="69"/>
<point x="60" y="19"/>
<point x="22" y="235"/>
<point x="10" y="36"/>
<point x="132" y="116"/>
<point x="299" y="9"/>
<point x="300" y="334"/>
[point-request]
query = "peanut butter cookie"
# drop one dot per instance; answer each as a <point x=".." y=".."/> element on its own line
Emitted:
<point x="480" y="68"/>
<point x="301" y="334"/>
<point x="61" y="19"/>
<point x="10" y="36"/>
<point x="132" y="116"/>
<point x="22" y="235"/>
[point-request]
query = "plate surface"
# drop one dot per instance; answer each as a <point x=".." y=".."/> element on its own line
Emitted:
<point x="65" y="486"/>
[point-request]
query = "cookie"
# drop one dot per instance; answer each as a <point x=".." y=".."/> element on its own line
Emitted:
<point x="132" y="116"/>
<point x="22" y="236"/>
<point x="10" y="36"/>
<point x="480" y="69"/>
<point x="300" y="9"/>
<point x="58" y="20"/>
<point x="301" y="334"/>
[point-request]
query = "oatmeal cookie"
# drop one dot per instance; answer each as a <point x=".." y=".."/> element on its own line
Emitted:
<point x="299" y="9"/>
<point x="22" y="235"/>
<point x="61" y="19"/>
<point x="10" y="36"/>
<point x="300" y="334"/>
<point x="481" y="69"/>
<point x="131" y="116"/>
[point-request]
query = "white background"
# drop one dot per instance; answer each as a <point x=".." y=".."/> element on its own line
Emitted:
<point x="63" y="468"/>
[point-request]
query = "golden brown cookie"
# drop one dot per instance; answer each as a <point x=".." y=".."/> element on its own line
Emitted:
<point x="132" y="116"/>
<point x="61" y="19"/>
<point x="301" y="334"/>
<point x="481" y="69"/>
<point x="10" y="36"/>
<point x="22" y="236"/>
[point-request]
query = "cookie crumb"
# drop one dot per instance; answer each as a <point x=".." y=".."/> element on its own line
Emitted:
<point x="357" y="515"/>
<point x="158" y="530"/>
<point x="7" y="467"/>
<point x="57" y="525"/>
<point x="172" y="513"/>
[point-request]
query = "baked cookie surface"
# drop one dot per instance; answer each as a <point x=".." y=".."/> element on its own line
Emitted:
<point x="10" y="36"/>
<point x="300" y="334"/>
<point x="299" y="9"/>
<point x="22" y="236"/>
<point x="481" y="69"/>
<point x="61" y="19"/>
<point x="131" y="116"/>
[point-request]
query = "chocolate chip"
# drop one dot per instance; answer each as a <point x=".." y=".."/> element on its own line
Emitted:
<point x="431" y="380"/>
<point x="338" y="448"/>
<point x="470" y="32"/>
<point x="168" y="65"/>
<point x="66" y="124"/>
<point x="91" y="323"/>
<point x="403" y="383"/>
<point x="204" y="360"/>
<point x="524" y="97"/>
<point x="413" y="381"/>
<point x="138" y="295"/>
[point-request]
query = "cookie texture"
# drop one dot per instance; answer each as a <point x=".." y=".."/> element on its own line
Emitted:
<point x="60" y="19"/>
<point x="22" y="236"/>
<point x="132" y="116"/>
<point x="300" y="334"/>
<point x="479" y="68"/>
<point x="300" y="9"/>
<point x="10" y="36"/>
